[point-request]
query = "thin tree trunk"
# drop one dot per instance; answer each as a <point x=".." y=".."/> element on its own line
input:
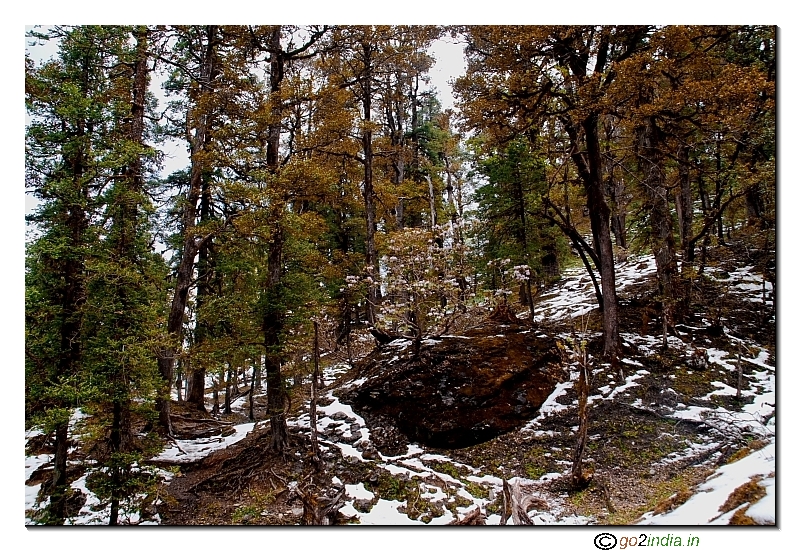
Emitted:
<point x="683" y="204"/>
<point x="432" y="200"/>
<point x="251" y="399"/>
<point x="215" y="406"/>
<point x="663" y="242"/>
<point x="578" y="478"/>
<point x="313" y="412"/>
<point x="228" y="390"/>
<point x="371" y="256"/>
<point x="199" y="143"/>
<point x="599" y="214"/>
<point x="116" y="447"/>
<point x="718" y="195"/>
<point x="179" y="385"/>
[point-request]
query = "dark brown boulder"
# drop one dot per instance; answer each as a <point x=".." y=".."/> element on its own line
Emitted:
<point x="459" y="390"/>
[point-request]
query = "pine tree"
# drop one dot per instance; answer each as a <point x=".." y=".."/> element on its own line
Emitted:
<point x="92" y="276"/>
<point x="510" y="205"/>
<point x="67" y="101"/>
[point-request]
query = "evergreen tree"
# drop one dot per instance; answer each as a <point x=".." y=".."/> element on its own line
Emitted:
<point x="510" y="204"/>
<point x="65" y="142"/>
<point x="92" y="281"/>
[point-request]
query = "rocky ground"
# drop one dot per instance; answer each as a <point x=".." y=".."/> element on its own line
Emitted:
<point x="482" y="419"/>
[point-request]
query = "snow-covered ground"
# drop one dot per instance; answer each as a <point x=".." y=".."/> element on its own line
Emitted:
<point x="703" y="508"/>
<point x="183" y="451"/>
<point x="574" y="297"/>
<point x="344" y="431"/>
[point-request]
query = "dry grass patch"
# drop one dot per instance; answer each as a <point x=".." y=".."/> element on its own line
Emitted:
<point x="752" y="446"/>
<point x="672" y="502"/>
<point x="740" y="517"/>
<point x="749" y="492"/>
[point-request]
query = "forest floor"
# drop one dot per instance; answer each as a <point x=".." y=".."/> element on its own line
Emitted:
<point x="669" y="443"/>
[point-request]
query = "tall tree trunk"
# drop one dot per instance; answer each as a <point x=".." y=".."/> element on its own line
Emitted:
<point x="599" y="214"/>
<point x="72" y="295"/>
<point x="371" y="256"/>
<point x="197" y="384"/>
<point x="522" y="237"/>
<point x="199" y="118"/>
<point x="719" y="191"/>
<point x="273" y="319"/>
<point x="251" y="399"/>
<point x="125" y="229"/>
<point x="272" y="328"/>
<point x="396" y="120"/>
<point x="663" y="240"/>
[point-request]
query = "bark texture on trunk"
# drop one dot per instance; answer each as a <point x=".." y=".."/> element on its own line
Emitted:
<point x="599" y="215"/>
<point x="663" y="240"/>
<point x="273" y="319"/>
<point x="371" y="255"/>
<point x="201" y="120"/>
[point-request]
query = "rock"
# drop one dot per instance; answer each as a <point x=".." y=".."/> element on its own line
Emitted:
<point x="370" y="454"/>
<point x="459" y="392"/>
<point x="362" y="505"/>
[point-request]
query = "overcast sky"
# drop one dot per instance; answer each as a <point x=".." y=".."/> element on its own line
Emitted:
<point x="356" y="11"/>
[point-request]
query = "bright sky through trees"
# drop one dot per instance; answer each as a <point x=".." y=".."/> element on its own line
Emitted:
<point x="419" y="169"/>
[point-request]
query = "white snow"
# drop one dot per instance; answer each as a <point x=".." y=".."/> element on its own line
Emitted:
<point x="703" y="507"/>
<point x="385" y="512"/>
<point x="550" y="406"/>
<point x="192" y="450"/>
<point x="359" y="492"/>
<point x="574" y="297"/>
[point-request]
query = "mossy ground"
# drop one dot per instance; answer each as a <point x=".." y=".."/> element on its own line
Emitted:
<point x="637" y="453"/>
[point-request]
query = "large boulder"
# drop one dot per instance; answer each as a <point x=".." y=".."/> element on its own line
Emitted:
<point x="461" y="390"/>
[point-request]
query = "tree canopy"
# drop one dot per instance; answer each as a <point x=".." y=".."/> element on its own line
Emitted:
<point x="326" y="186"/>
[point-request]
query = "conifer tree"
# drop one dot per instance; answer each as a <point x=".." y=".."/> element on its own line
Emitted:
<point x="93" y="278"/>
<point x="66" y="98"/>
